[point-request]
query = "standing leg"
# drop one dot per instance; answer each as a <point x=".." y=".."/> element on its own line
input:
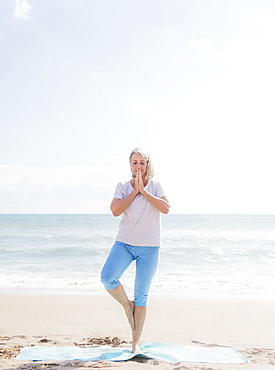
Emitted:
<point x="146" y="265"/>
<point x="139" y="316"/>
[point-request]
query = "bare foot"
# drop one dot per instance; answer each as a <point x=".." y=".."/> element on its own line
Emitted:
<point x="136" y="349"/>
<point x="130" y="314"/>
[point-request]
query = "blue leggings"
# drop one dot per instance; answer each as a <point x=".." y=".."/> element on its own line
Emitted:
<point x="119" y="259"/>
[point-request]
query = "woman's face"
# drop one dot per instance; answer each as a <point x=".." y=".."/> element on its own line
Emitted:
<point x="138" y="163"/>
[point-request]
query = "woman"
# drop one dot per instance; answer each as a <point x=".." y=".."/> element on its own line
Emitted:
<point x="141" y="202"/>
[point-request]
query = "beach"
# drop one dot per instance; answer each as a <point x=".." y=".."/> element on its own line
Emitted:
<point x="58" y="320"/>
<point x="214" y="287"/>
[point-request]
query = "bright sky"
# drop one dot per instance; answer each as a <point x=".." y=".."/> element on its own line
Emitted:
<point x="84" y="82"/>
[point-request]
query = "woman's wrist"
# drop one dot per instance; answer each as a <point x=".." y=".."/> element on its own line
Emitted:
<point x="135" y="193"/>
<point x="143" y="191"/>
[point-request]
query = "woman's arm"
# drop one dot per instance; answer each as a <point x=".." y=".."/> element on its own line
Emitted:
<point x="118" y="206"/>
<point x="161" y="204"/>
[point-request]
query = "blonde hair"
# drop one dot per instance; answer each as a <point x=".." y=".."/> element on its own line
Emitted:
<point x="149" y="169"/>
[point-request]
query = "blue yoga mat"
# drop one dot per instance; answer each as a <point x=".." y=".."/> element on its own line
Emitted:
<point x="160" y="351"/>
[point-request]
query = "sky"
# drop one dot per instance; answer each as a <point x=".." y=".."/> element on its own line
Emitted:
<point x="83" y="82"/>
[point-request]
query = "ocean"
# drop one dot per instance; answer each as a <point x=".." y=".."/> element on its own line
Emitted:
<point x="202" y="256"/>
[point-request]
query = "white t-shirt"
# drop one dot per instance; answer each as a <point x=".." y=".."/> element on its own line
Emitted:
<point x="141" y="221"/>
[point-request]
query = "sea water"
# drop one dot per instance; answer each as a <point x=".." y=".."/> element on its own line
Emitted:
<point x="204" y="256"/>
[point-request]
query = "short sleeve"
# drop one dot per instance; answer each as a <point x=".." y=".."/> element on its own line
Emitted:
<point x="119" y="192"/>
<point x="159" y="191"/>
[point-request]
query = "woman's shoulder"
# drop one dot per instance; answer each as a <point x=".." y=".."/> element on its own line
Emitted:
<point x="123" y="184"/>
<point x="156" y="188"/>
<point x="122" y="189"/>
<point x="153" y="182"/>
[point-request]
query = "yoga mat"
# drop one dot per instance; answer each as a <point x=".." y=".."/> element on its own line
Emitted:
<point x="160" y="351"/>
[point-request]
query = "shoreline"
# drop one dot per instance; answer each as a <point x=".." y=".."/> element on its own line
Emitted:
<point x="248" y="326"/>
<point x="208" y="296"/>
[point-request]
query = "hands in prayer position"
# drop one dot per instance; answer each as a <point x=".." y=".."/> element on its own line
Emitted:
<point x="138" y="184"/>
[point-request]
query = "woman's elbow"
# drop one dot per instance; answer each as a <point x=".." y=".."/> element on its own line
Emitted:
<point x="166" y="209"/>
<point x="115" y="212"/>
<point x="115" y="208"/>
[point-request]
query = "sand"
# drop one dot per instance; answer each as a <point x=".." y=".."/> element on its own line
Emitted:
<point x="27" y="320"/>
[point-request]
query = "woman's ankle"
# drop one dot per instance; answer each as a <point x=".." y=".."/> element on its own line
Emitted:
<point x="136" y="348"/>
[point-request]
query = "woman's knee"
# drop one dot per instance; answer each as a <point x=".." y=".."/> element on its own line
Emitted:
<point x="141" y="300"/>
<point x="141" y="293"/>
<point x="108" y="280"/>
